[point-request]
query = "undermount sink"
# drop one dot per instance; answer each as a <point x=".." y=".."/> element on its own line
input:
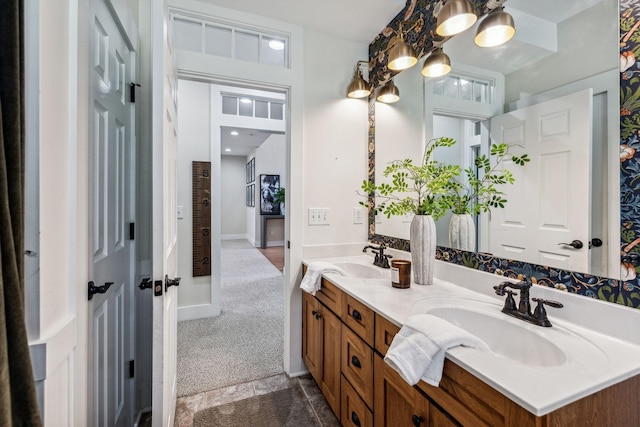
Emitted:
<point x="504" y="335"/>
<point x="362" y="271"/>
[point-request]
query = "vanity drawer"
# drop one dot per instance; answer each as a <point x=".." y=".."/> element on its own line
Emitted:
<point x="468" y="399"/>
<point x="356" y="364"/>
<point x="330" y="296"/>
<point x="354" y="411"/>
<point x="385" y="331"/>
<point x="358" y="317"/>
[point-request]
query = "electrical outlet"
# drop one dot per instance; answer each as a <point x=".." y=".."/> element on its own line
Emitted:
<point x="357" y="215"/>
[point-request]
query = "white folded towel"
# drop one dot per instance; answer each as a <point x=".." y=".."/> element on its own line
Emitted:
<point x="418" y="350"/>
<point x="312" y="279"/>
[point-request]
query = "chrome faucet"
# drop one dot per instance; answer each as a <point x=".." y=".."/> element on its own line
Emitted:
<point x="381" y="259"/>
<point x="523" y="311"/>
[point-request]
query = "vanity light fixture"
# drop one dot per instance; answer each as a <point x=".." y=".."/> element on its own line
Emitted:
<point x="455" y="17"/>
<point x="437" y="64"/>
<point x="388" y="93"/>
<point x="228" y="150"/>
<point x="401" y="54"/>
<point x="234" y="133"/>
<point x="358" y="88"/>
<point x="497" y="28"/>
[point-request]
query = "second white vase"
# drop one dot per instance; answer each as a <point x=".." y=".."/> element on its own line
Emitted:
<point x="423" y="248"/>
<point x="462" y="232"/>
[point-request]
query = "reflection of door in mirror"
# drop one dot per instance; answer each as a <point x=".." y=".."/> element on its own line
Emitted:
<point x="548" y="204"/>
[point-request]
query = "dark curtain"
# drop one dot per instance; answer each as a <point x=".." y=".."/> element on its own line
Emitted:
<point x="18" y="404"/>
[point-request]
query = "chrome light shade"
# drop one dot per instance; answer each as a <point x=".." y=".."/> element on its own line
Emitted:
<point x="455" y="17"/>
<point x="497" y="28"/>
<point x="437" y="64"/>
<point x="358" y="88"/>
<point x="401" y="56"/>
<point x="388" y="93"/>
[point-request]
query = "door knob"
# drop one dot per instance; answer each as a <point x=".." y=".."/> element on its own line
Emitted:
<point x="145" y="283"/>
<point x="93" y="289"/>
<point x="576" y="244"/>
<point x="595" y="243"/>
<point x="170" y="282"/>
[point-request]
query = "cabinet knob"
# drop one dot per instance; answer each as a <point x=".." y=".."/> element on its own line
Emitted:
<point x="417" y="420"/>
<point x="356" y="362"/>
<point x="356" y="315"/>
<point x="354" y="418"/>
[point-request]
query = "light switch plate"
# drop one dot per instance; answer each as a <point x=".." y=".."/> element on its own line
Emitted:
<point x="180" y="212"/>
<point x="319" y="216"/>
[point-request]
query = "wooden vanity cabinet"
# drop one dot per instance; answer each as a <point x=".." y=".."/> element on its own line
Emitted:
<point x="319" y="327"/>
<point x="343" y="345"/>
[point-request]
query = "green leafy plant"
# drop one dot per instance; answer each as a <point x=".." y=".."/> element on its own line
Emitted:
<point x="417" y="189"/>
<point x="278" y="195"/>
<point x="481" y="192"/>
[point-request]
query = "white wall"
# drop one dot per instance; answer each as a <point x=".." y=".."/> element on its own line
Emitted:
<point x="233" y="197"/>
<point x="271" y="159"/>
<point x="194" y="132"/>
<point x="589" y="34"/>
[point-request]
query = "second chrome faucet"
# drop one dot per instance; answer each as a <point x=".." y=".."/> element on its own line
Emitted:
<point x="523" y="310"/>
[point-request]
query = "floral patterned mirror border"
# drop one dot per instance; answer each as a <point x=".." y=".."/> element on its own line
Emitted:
<point x="625" y="292"/>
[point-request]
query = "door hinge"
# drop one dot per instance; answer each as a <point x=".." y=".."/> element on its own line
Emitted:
<point x="132" y="231"/>
<point x="132" y="368"/>
<point x="288" y="244"/>
<point x="132" y="91"/>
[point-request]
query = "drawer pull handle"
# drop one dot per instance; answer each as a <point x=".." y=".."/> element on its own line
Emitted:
<point x="417" y="420"/>
<point x="356" y="315"/>
<point x="354" y="418"/>
<point x="316" y="314"/>
<point x="356" y="362"/>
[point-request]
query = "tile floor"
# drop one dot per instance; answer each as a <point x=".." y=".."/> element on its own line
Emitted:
<point x="187" y="406"/>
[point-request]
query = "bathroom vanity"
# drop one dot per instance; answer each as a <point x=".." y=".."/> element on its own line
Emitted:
<point x="572" y="376"/>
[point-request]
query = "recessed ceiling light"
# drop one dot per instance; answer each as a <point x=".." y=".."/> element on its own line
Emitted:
<point x="276" y="44"/>
<point x="245" y="100"/>
<point x="234" y="133"/>
<point x="227" y="149"/>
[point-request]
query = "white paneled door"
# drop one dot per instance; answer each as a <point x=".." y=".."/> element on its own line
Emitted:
<point x="548" y="206"/>
<point x="164" y="215"/>
<point x="112" y="145"/>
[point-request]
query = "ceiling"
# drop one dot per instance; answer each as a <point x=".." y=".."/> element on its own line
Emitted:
<point x="244" y="143"/>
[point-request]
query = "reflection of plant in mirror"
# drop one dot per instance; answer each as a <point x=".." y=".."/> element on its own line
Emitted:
<point x="428" y="182"/>
<point x="278" y="195"/>
<point x="481" y="191"/>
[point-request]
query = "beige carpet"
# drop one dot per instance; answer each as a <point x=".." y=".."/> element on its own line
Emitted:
<point x="245" y="342"/>
<point x="284" y="408"/>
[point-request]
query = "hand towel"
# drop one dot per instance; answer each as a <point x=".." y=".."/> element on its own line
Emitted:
<point x="312" y="279"/>
<point x="418" y="351"/>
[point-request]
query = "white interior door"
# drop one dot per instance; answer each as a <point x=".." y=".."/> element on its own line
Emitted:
<point x="550" y="202"/>
<point x="164" y="216"/>
<point x="112" y="144"/>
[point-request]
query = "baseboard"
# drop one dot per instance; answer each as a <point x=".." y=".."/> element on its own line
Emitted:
<point x="278" y="243"/>
<point x="298" y="374"/>
<point x="233" y="236"/>
<point x="193" y="312"/>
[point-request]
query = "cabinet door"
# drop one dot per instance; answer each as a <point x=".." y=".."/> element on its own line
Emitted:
<point x="397" y="404"/>
<point x="312" y="336"/>
<point x="330" y="383"/>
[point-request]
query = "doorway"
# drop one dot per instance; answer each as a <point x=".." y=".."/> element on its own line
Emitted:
<point x="237" y="311"/>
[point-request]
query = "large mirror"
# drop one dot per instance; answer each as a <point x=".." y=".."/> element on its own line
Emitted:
<point x="557" y="77"/>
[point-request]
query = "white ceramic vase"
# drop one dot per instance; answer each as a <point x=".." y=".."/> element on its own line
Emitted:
<point x="423" y="248"/>
<point x="462" y="232"/>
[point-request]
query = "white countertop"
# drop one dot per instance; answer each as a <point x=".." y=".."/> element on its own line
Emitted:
<point x="597" y="357"/>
